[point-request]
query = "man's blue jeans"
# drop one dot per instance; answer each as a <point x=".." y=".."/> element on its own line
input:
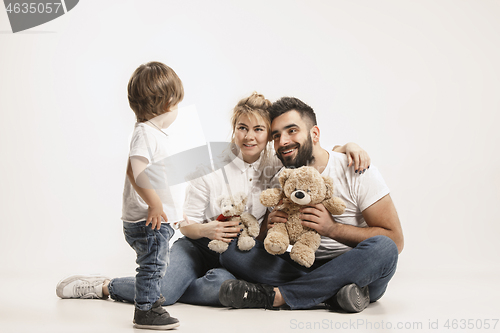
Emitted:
<point x="372" y="263"/>
<point x="194" y="276"/>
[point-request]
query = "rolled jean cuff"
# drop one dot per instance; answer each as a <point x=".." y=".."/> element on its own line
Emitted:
<point x="112" y="295"/>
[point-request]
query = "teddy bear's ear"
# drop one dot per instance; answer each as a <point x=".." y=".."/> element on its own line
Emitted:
<point x="219" y="199"/>
<point x="284" y="176"/>
<point x="329" y="187"/>
<point x="240" y="197"/>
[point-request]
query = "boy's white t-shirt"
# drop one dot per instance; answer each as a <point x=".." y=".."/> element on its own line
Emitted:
<point x="154" y="145"/>
<point x="358" y="192"/>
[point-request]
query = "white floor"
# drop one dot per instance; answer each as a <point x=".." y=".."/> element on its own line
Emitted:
<point x="414" y="302"/>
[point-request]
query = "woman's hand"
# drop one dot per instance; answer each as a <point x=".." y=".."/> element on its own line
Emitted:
<point x="355" y="155"/>
<point x="224" y="231"/>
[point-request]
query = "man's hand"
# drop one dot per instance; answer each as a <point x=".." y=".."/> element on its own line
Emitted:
<point x="276" y="216"/>
<point x="381" y="218"/>
<point x="155" y="214"/>
<point x="317" y="217"/>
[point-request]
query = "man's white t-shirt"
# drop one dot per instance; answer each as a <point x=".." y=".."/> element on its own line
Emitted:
<point x="154" y="145"/>
<point x="358" y="192"/>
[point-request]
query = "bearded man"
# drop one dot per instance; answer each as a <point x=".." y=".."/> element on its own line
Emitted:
<point x="359" y="250"/>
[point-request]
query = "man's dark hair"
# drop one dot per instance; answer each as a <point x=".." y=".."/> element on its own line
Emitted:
<point x="285" y="104"/>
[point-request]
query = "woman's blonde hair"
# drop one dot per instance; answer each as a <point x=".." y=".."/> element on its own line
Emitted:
<point x="253" y="106"/>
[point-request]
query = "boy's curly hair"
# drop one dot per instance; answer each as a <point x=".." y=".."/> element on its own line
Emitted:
<point x="153" y="89"/>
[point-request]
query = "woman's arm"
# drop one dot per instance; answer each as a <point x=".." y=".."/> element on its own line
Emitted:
<point x="355" y="154"/>
<point x="224" y="231"/>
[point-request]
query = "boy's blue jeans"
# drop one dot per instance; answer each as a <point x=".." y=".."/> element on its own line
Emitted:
<point x="194" y="276"/>
<point x="372" y="263"/>
<point x="151" y="247"/>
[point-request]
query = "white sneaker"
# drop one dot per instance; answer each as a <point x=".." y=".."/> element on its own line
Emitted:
<point x="81" y="286"/>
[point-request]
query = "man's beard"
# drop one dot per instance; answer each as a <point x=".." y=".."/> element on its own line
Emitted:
<point x="303" y="157"/>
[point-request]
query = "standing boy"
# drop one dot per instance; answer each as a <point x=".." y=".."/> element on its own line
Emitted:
<point x="154" y="91"/>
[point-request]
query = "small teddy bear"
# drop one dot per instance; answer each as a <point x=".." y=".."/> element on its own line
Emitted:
<point x="233" y="209"/>
<point x="300" y="187"/>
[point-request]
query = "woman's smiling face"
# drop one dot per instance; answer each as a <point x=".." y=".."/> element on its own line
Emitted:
<point x="250" y="135"/>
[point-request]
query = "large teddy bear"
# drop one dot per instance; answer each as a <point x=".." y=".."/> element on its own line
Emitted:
<point x="233" y="209"/>
<point x="300" y="187"/>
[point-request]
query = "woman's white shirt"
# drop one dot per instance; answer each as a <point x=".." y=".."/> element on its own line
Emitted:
<point x="200" y="205"/>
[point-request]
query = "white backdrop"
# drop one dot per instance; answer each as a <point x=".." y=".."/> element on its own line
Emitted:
<point x="416" y="83"/>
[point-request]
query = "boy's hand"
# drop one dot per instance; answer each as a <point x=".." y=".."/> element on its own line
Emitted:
<point x="155" y="213"/>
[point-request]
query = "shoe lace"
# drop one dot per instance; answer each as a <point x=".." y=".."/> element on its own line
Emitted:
<point x="86" y="290"/>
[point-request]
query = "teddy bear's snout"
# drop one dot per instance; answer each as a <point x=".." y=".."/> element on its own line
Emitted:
<point x="226" y="209"/>
<point x="300" y="197"/>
